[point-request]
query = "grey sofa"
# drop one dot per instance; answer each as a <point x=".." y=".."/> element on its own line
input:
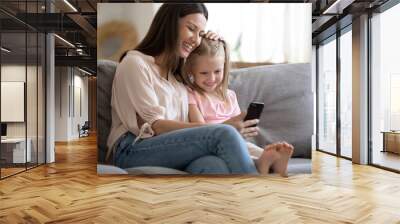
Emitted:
<point x="288" y="113"/>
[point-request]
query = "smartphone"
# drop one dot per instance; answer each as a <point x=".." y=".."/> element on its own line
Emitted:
<point x="254" y="111"/>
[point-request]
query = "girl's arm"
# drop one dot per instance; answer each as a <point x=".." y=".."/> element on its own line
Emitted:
<point x="195" y="115"/>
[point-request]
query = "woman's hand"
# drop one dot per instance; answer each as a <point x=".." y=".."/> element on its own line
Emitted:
<point x="244" y="126"/>
<point x="212" y="36"/>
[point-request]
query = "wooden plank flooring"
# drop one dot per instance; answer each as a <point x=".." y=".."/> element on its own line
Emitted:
<point x="70" y="191"/>
<point x="10" y="171"/>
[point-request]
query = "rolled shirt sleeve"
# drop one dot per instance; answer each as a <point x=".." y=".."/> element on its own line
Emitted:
<point x="134" y="92"/>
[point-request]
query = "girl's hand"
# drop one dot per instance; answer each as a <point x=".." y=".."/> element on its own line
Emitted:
<point x="244" y="126"/>
<point x="212" y="36"/>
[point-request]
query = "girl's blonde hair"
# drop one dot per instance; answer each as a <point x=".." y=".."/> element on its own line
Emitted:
<point x="211" y="48"/>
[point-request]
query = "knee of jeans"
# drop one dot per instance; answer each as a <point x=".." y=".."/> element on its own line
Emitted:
<point x="227" y="131"/>
<point x="208" y="165"/>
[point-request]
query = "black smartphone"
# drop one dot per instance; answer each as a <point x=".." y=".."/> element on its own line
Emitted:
<point x="254" y="111"/>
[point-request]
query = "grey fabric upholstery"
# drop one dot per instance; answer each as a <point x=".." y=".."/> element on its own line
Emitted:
<point x="299" y="165"/>
<point x="153" y="170"/>
<point x="296" y="166"/>
<point x="108" y="169"/>
<point x="105" y="77"/>
<point x="286" y="93"/>
<point x="288" y="115"/>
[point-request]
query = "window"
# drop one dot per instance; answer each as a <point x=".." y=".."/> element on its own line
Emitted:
<point x="274" y="33"/>
<point x="22" y="62"/>
<point x="394" y="101"/>
<point x="385" y="86"/>
<point x="327" y="96"/>
<point x="346" y="94"/>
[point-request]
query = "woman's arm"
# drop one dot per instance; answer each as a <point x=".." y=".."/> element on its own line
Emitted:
<point x="164" y="126"/>
<point x="195" y="118"/>
<point x="195" y="115"/>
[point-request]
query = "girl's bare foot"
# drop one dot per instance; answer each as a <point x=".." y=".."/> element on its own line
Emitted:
<point x="285" y="151"/>
<point x="267" y="158"/>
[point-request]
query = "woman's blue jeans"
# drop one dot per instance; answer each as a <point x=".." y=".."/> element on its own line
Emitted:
<point x="211" y="149"/>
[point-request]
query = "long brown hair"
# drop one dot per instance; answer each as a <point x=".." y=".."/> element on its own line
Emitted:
<point x="162" y="37"/>
<point x="211" y="48"/>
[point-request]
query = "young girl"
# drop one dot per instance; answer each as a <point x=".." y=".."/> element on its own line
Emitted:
<point x="206" y="72"/>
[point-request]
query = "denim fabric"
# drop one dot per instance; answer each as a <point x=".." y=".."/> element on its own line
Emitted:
<point x="208" y="165"/>
<point x="191" y="149"/>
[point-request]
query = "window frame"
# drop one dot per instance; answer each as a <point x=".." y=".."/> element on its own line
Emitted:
<point x="334" y="37"/>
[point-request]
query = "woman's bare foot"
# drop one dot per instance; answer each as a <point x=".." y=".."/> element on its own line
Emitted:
<point x="267" y="158"/>
<point x="285" y="151"/>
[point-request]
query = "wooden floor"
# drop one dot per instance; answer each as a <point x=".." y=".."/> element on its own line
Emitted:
<point x="387" y="159"/>
<point x="10" y="171"/>
<point x="70" y="191"/>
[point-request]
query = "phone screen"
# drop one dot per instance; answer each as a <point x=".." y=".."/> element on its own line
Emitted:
<point x="254" y="111"/>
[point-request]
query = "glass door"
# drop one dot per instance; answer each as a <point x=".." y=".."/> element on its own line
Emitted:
<point x="14" y="154"/>
<point x="346" y="93"/>
<point x="22" y="77"/>
<point x="385" y="89"/>
<point x="327" y="96"/>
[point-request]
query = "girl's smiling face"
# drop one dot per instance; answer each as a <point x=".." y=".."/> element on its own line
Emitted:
<point x="208" y="72"/>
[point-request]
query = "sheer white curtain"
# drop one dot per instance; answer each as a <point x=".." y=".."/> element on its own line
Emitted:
<point x="259" y="32"/>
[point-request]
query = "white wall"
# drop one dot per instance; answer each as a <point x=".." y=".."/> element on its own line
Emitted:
<point x="17" y="73"/>
<point x="80" y="83"/>
<point x="68" y="83"/>
<point x="61" y="103"/>
<point x="13" y="73"/>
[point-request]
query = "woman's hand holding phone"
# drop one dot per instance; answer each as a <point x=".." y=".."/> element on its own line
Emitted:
<point x="246" y="128"/>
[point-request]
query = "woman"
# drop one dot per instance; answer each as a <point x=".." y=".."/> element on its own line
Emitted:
<point x="150" y="106"/>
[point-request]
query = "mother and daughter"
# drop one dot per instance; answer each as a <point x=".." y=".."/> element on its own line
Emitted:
<point x="171" y="106"/>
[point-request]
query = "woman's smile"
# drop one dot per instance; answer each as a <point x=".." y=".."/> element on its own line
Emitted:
<point x="188" y="47"/>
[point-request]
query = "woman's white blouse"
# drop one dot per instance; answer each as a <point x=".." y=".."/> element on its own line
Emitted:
<point x="138" y="88"/>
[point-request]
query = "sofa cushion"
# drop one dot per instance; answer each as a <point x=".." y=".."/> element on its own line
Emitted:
<point x="285" y="90"/>
<point x="153" y="170"/>
<point x="107" y="169"/>
<point x="296" y="165"/>
<point x="105" y="76"/>
<point x="299" y="165"/>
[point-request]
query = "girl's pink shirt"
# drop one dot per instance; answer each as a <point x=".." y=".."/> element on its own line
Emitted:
<point x="215" y="111"/>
